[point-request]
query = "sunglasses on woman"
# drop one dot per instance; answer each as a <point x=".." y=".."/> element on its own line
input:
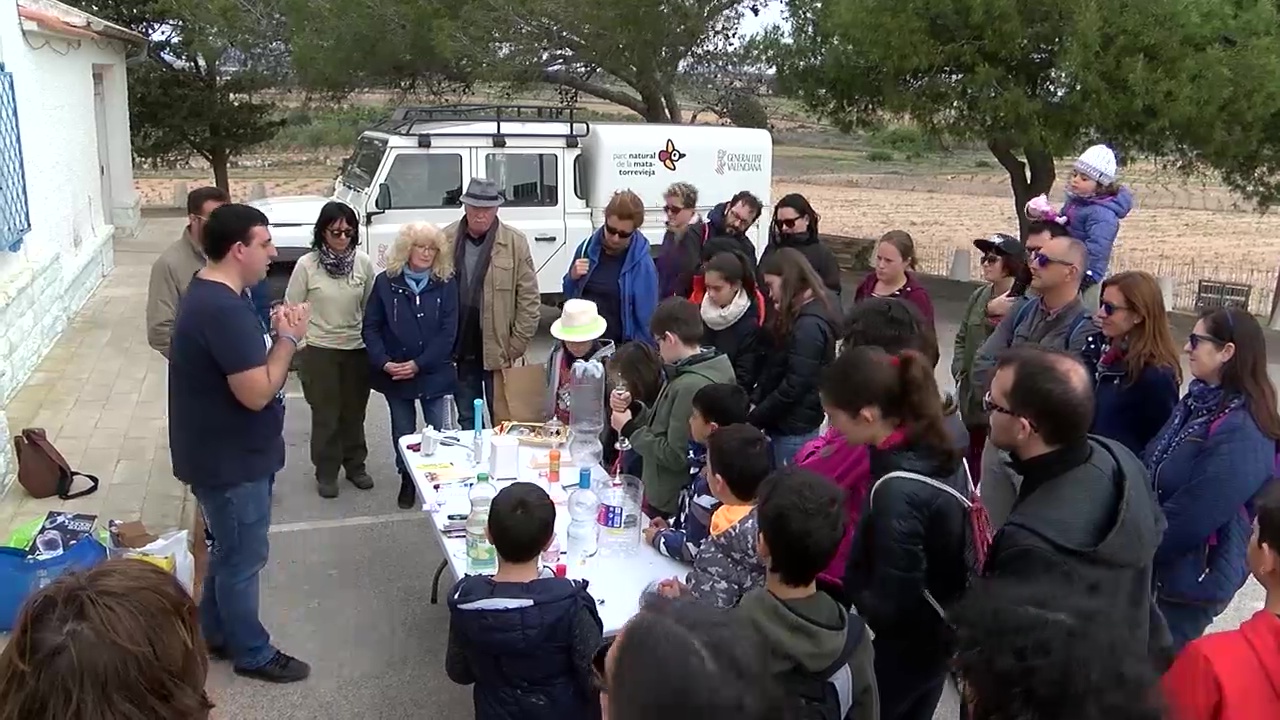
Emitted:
<point x="1110" y="308"/>
<point x="1194" y="340"/>
<point x="990" y="259"/>
<point x="786" y="223"/>
<point x="615" y="232"/>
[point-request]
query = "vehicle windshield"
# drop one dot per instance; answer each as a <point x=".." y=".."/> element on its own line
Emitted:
<point x="362" y="166"/>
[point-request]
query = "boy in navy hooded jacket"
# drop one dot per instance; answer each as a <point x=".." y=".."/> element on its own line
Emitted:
<point x="524" y="638"/>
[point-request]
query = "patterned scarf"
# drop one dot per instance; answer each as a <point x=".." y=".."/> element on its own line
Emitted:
<point x="1201" y="406"/>
<point x="338" y="265"/>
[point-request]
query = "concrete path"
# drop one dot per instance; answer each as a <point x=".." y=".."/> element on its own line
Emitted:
<point x="348" y="582"/>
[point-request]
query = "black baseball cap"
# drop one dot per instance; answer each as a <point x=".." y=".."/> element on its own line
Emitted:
<point x="1001" y="244"/>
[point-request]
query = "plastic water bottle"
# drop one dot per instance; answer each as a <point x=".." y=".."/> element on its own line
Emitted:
<point x="551" y="555"/>
<point x="619" y="516"/>
<point x="583" y="510"/>
<point x="449" y="423"/>
<point x="481" y="557"/>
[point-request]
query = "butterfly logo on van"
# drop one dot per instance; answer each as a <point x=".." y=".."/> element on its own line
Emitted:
<point x="669" y="155"/>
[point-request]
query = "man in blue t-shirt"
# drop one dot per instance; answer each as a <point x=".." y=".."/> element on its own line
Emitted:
<point x="226" y="422"/>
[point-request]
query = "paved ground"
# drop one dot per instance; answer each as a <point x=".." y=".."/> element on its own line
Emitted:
<point x="348" y="583"/>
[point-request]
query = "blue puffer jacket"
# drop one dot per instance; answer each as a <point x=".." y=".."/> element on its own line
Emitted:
<point x="519" y="644"/>
<point x="637" y="283"/>
<point x="1095" y="222"/>
<point x="400" y="325"/>
<point x="1206" y="486"/>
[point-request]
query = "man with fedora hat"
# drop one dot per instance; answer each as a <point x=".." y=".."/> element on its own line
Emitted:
<point x="498" y="296"/>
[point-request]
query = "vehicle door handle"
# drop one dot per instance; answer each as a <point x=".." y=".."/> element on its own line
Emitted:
<point x="544" y="238"/>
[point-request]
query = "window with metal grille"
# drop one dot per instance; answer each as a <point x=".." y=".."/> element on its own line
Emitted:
<point x="15" y="219"/>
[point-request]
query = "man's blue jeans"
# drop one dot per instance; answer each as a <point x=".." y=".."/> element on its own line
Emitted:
<point x="404" y="420"/>
<point x="237" y="517"/>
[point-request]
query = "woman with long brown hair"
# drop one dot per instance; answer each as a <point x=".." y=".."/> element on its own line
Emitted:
<point x="1138" y="375"/>
<point x="907" y="559"/>
<point x="118" y="641"/>
<point x="1208" y="463"/>
<point x="801" y="335"/>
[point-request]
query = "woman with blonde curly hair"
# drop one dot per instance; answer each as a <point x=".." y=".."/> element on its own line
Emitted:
<point x="119" y="641"/>
<point x="409" y="329"/>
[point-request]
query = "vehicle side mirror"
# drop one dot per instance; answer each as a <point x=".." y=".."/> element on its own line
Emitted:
<point x="382" y="201"/>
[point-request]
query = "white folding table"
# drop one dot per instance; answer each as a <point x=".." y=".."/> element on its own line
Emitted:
<point x="615" y="582"/>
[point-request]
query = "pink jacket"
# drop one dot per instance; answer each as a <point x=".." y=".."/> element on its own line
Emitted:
<point x="849" y="467"/>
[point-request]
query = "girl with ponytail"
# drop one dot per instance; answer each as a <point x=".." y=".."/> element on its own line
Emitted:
<point x="907" y="560"/>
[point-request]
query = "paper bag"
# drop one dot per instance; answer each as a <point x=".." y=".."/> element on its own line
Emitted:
<point x="520" y="393"/>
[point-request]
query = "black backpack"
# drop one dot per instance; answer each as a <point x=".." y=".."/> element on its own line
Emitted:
<point x="828" y="693"/>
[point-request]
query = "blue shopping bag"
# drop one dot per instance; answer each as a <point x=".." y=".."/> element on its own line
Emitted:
<point x="21" y="576"/>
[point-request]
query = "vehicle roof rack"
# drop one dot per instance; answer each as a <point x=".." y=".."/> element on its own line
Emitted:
<point x="403" y="119"/>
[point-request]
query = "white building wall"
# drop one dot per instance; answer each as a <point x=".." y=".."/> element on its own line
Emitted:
<point x="68" y="249"/>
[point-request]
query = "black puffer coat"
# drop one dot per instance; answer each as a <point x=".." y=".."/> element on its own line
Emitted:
<point x="786" y="394"/>
<point x="910" y="539"/>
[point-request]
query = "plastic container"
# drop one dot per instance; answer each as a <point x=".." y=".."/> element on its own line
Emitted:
<point x="551" y="556"/>
<point x="587" y="415"/>
<point x="584" y="507"/>
<point x="618" y="519"/>
<point x="481" y="557"/>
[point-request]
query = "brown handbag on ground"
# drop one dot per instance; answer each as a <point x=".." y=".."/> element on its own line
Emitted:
<point x="520" y="393"/>
<point x="42" y="471"/>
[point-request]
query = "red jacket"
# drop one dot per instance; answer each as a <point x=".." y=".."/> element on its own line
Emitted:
<point x="1229" y="675"/>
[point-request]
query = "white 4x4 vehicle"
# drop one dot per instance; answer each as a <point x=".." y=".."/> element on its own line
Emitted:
<point x="557" y="172"/>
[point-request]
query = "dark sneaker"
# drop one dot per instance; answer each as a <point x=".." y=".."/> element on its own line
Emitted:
<point x="408" y="496"/>
<point x="328" y="488"/>
<point x="361" y="480"/>
<point x="281" y="668"/>
<point x="218" y="652"/>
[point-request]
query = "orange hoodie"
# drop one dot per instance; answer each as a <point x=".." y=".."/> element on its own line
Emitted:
<point x="1229" y="676"/>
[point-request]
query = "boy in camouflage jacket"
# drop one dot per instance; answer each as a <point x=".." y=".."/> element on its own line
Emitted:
<point x="727" y="566"/>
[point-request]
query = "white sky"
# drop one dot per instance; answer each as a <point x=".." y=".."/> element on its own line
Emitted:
<point x="771" y="14"/>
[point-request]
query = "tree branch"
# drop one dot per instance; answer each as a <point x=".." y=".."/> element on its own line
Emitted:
<point x="617" y="97"/>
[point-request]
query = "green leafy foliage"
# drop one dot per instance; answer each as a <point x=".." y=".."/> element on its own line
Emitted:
<point x="194" y="92"/>
<point x="637" y="54"/>
<point x="1195" y="80"/>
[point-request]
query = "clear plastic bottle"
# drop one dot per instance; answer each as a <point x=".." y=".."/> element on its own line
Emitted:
<point x="584" y="508"/>
<point x="449" y="423"/>
<point x="481" y="557"/>
<point x="551" y="555"/>
<point x="619" y="516"/>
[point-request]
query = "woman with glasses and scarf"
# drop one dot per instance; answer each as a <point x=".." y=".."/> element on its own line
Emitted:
<point x="1208" y="463"/>
<point x="336" y="278"/>
<point x="1137" y="374"/>
<point x="1003" y="260"/>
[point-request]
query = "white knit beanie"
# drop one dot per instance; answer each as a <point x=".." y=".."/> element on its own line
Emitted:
<point x="1099" y="163"/>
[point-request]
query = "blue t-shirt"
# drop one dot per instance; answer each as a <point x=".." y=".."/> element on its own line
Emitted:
<point x="214" y="440"/>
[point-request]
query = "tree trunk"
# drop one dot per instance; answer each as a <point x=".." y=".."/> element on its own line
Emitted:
<point x="1026" y="179"/>
<point x="220" y="161"/>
